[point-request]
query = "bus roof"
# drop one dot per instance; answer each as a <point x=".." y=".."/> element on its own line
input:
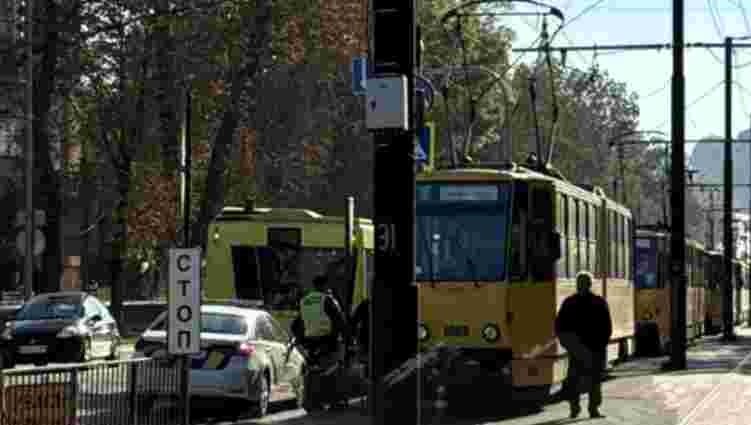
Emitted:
<point x="232" y="213"/>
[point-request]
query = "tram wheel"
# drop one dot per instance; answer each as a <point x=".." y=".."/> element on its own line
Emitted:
<point x="647" y="339"/>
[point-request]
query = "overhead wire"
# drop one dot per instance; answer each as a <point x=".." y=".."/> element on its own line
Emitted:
<point x="711" y="5"/>
<point x="746" y="22"/>
<point x="698" y="99"/>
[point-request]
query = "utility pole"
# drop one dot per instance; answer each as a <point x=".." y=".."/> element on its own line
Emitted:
<point x="727" y="301"/>
<point x="748" y="228"/>
<point x="677" y="196"/>
<point x="394" y="293"/>
<point x="28" y="270"/>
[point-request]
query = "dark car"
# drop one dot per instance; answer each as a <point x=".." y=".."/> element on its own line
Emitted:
<point x="60" y="327"/>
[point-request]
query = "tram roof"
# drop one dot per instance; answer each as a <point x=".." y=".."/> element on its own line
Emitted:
<point x="512" y="171"/>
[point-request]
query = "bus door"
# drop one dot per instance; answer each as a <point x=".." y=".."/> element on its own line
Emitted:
<point x="248" y="273"/>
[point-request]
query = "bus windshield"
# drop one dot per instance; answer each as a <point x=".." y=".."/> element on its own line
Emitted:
<point x="279" y="274"/>
<point x="461" y="232"/>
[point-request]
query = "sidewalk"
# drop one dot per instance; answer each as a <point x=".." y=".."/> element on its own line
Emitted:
<point x="715" y="389"/>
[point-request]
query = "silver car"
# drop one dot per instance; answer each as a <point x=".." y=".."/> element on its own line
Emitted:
<point x="245" y="355"/>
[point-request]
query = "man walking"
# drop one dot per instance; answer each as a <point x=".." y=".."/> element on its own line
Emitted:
<point x="584" y="328"/>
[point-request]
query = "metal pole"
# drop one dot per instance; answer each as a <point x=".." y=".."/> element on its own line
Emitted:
<point x="748" y="233"/>
<point x="727" y="303"/>
<point x="28" y="176"/>
<point x="394" y="294"/>
<point x="677" y="196"/>
<point x="349" y="225"/>
<point x="187" y="165"/>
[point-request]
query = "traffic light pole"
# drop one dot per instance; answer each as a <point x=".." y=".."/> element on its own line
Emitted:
<point x="394" y="294"/>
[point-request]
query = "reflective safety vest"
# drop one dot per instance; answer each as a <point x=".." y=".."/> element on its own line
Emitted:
<point x="317" y="322"/>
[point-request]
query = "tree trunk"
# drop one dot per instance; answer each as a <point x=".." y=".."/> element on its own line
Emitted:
<point x="257" y="52"/>
<point x="120" y="246"/>
<point x="47" y="183"/>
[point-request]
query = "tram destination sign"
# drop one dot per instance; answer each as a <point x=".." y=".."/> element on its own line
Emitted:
<point x="467" y="192"/>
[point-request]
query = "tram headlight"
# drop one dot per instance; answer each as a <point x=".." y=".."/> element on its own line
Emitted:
<point x="491" y="332"/>
<point x="422" y="332"/>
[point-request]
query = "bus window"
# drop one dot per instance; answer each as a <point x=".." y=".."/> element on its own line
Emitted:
<point x="245" y="261"/>
<point x="279" y="273"/>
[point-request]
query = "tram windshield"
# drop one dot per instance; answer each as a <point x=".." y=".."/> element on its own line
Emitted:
<point x="646" y="263"/>
<point x="461" y="232"/>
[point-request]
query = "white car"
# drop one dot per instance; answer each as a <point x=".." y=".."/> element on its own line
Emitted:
<point x="246" y="357"/>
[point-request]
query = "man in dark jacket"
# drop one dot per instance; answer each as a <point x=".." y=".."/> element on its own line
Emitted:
<point x="584" y="328"/>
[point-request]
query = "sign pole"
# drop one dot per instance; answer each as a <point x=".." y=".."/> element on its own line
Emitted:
<point x="184" y="319"/>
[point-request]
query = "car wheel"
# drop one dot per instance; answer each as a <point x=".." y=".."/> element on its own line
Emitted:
<point x="84" y="352"/>
<point x="261" y="407"/>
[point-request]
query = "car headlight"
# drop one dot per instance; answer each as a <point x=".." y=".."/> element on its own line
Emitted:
<point x="491" y="333"/>
<point x="7" y="333"/>
<point x="422" y="332"/>
<point x="71" y="331"/>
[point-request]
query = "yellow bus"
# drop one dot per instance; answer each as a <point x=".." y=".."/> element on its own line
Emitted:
<point x="497" y="252"/>
<point x="271" y="255"/>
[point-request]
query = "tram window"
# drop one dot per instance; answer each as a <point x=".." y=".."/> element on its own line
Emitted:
<point x="519" y="233"/>
<point x="646" y="264"/>
<point x="563" y="270"/>
<point x="612" y="244"/>
<point x="572" y="241"/>
<point x="621" y="247"/>
<point x="539" y="231"/>
<point x="627" y="247"/>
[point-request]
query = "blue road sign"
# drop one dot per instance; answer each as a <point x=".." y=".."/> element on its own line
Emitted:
<point x="359" y="75"/>
<point x="424" y="146"/>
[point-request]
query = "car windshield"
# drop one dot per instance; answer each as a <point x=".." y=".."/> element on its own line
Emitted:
<point x="216" y="323"/>
<point x="51" y="309"/>
<point x="461" y="232"/>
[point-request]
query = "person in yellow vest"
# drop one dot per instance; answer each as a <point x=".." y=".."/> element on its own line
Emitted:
<point x="324" y="323"/>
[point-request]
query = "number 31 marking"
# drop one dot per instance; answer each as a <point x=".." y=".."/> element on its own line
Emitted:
<point x="386" y="237"/>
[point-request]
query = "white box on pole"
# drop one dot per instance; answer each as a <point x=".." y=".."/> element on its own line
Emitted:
<point x="184" y="316"/>
<point x="386" y="103"/>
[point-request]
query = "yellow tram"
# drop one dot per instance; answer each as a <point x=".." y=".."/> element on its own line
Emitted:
<point x="497" y="252"/>
<point x="653" y="290"/>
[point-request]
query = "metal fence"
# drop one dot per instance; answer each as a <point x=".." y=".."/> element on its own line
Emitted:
<point x="137" y="391"/>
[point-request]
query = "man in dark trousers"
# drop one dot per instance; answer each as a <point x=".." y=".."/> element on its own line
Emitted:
<point x="584" y="328"/>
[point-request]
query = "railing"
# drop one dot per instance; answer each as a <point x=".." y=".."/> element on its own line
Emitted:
<point x="138" y="391"/>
